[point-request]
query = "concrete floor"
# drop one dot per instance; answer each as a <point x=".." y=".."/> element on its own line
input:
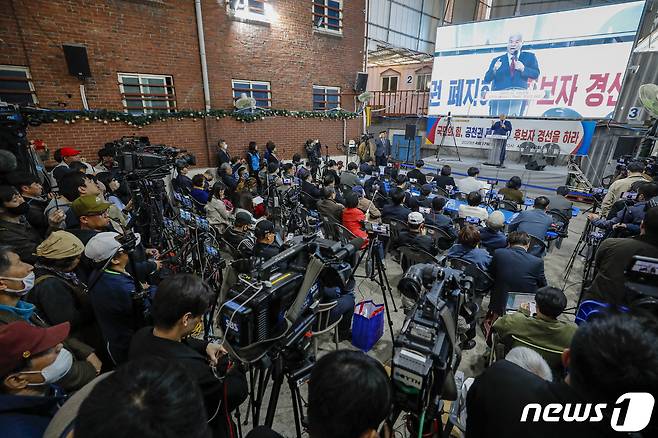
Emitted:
<point x="472" y="362"/>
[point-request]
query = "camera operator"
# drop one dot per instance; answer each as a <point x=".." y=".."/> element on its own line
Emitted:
<point x="608" y="357"/>
<point x="182" y="182"/>
<point x="349" y="395"/>
<point x="416" y="236"/>
<point x="30" y="188"/>
<point x="635" y="173"/>
<point x="266" y="246"/>
<point x="614" y="254"/>
<point x="240" y="236"/>
<point x="313" y="153"/>
<point x="177" y="311"/>
<point x="112" y="294"/>
<point x="630" y="217"/>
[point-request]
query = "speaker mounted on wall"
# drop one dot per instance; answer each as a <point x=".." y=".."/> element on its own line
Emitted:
<point x="77" y="60"/>
<point x="410" y="132"/>
<point x="361" y="82"/>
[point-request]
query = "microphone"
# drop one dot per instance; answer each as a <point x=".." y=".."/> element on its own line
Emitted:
<point x="7" y="161"/>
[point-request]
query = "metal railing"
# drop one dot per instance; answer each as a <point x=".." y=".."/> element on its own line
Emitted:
<point x="399" y="103"/>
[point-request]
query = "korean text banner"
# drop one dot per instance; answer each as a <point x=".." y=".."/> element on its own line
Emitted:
<point x="572" y="136"/>
<point x="568" y="64"/>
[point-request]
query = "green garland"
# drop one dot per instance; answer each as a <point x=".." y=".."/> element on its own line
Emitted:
<point x="38" y="116"/>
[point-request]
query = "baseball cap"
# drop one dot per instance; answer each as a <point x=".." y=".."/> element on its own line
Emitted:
<point x="496" y="220"/>
<point x="415" y="218"/>
<point x="263" y="228"/>
<point x="69" y="152"/>
<point x="102" y="246"/>
<point x="19" y="341"/>
<point x="243" y="218"/>
<point x="60" y="245"/>
<point x="89" y="205"/>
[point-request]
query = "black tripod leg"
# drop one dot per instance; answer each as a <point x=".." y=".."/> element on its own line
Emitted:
<point x="296" y="406"/>
<point x="382" y="273"/>
<point x="274" y="398"/>
<point x="381" y="286"/>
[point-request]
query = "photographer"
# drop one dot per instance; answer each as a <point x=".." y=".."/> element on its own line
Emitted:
<point x="630" y="217"/>
<point x="240" y="236"/>
<point x="265" y="240"/>
<point x="177" y="311"/>
<point x="313" y="153"/>
<point x="635" y="174"/>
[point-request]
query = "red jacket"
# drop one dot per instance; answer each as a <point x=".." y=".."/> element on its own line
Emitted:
<point x="353" y="219"/>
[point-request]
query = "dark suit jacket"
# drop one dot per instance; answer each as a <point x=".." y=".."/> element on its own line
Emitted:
<point x="501" y="78"/>
<point x="223" y="157"/>
<point x="502" y="128"/>
<point x="443" y="181"/>
<point x="331" y="209"/>
<point x="383" y="148"/>
<point x="398" y="212"/>
<point x="514" y="270"/>
<point x="418" y="175"/>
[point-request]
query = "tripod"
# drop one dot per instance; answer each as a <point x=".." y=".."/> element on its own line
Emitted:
<point x="448" y="128"/>
<point x="374" y="257"/>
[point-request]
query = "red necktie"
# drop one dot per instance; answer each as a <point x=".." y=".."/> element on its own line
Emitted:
<point x="511" y="68"/>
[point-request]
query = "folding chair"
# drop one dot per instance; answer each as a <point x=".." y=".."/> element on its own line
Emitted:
<point x="537" y="246"/>
<point x="440" y="237"/>
<point x="505" y="204"/>
<point x="411" y="255"/>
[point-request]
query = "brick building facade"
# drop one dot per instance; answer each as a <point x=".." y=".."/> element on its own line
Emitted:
<point x="159" y="37"/>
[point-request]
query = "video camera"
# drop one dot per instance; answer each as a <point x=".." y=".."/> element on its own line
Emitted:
<point x="642" y="276"/>
<point x="426" y="352"/>
<point x="136" y="156"/>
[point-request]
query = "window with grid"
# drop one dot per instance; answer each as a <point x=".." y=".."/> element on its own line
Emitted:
<point x="423" y="82"/>
<point x="328" y="15"/>
<point x="390" y="83"/>
<point x="16" y="85"/>
<point x="260" y="91"/>
<point x="142" y="93"/>
<point x="325" y="98"/>
<point x="483" y="10"/>
<point x="256" y="6"/>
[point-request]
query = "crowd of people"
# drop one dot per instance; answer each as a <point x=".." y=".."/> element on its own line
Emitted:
<point x="80" y="356"/>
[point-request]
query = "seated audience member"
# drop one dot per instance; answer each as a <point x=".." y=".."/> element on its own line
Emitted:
<point x="150" y="398"/>
<point x="15" y="230"/>
<point x="226" y="176"/>
<point x="367" y="206"/>
<point x="542" y="329"/>
<point x="328" y="207"/>
<point x="368" y="167"/>
<point x="332" y="171"/>
<point x="329" y="181"/>
<point x="78" y="166"/>
<point x="350" y="178"/>
<point x="559" y="201"/>
<point x="424" y="199"/>
<point x="395" y="210"/>
<point x="266" y="246"/>
<point x="491" y="235"/>
<point x="177" y="311"/>
<point x="415" y="235"/>
<point x="71" y="187"/>
<point x="16" y="280"/>
<point x="417" y="173"/>
<point x="511" y="190"/>
<point x="58" y="294"/>
<point x="246" y="204"/>
<point x="618" y="187"/>
<point x="471" y="183"/>
<point x="629" y="218"/>
<point x="111" y="294"/>
<point x="514" y="270"/>
<point x="93" y="217"/>
<point x="240" y="236"/>
<point x="353" y="218"/>
<point x="402" y="183"/>
<point x="530" y="361"/>
<point x="438" y="219"/>
<point x="217" y="209"/>
<point x="349" y="395"/>
<point x="288" y="178"/>
<point x="198" y="191"/>
<point x="534" y="222"/>
<point x="270" y="153"/>
<point x="270" y="176"/>
<point x="183" y="182"/>
<point x="467" y="248"/>
<point x="307" y="184"/>
<point x="30" y="188"/>
<point x="614" y="255"/>
<point x="609" y="356"/>
<point x="445" y="179"/>
<point x="32" y="359"/>
<point x="473" y="209"/>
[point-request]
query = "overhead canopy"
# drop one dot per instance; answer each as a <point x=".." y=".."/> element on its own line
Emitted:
<point x="396" y="56"/>
<point x="648" y="43"/>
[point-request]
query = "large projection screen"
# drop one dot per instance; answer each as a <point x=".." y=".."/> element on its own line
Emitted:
<point x="568" y="64"/>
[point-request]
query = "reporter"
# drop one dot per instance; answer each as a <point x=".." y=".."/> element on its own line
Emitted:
<point x="467" y="248"/>
<point x="353" y="218"/>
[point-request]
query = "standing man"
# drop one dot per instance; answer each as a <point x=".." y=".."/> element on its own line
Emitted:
<point x="222" y="153"/>
<point x="502" y="127"/>
<point x="383" y="149"/>
<point x="511" y="71"/>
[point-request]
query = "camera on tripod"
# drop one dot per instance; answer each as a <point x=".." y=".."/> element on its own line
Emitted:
<point x="136" y="156"/>
<point x="426" y="352"/>
<point x="377" y="229"/>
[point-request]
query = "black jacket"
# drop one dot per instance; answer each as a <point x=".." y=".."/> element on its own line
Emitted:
<point x="311" y="189"/>
<point x="514" y="270"/>
<point x="443" y="181"/>
<point x="222" y="157"/>
<point x="426" y="243"/>
<point x="398" y="212"/>
<point x="190" y="354"/>
<point x="35" y="215"/>
<point x="418" y="176"/>
<point x="22" y="237"/>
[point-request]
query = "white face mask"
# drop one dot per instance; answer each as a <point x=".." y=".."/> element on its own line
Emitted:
<point x="28" y="284"/>
<point x="56" y="370"/>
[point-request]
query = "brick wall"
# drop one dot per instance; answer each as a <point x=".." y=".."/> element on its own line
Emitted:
<point x="159" y="37"/>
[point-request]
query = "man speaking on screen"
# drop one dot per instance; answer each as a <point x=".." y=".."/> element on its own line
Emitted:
<point x="511" y="71"/>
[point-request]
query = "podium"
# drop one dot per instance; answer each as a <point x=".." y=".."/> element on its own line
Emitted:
<point x="497" y="145"/>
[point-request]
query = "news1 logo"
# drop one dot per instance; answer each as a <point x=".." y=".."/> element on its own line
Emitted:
<point x="630" y="413"/>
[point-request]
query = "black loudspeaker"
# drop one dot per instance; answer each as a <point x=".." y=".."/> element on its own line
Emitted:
<point x="410" y="132"/>
<point x="361" y="82"/>
<point x="77" y="61"/>
<point x="536" y="164"/>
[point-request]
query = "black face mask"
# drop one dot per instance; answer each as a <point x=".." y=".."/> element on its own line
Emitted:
<point x="19" y="210"/>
